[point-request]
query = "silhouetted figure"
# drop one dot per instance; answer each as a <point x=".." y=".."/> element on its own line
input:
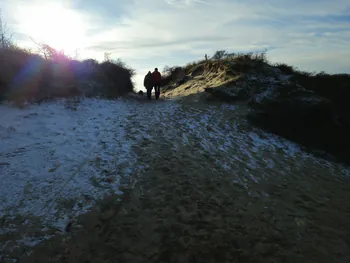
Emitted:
<point x="148" y="83"/>
<point x="157" y="79"/>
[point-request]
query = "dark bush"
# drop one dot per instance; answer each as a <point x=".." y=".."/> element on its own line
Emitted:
<point x="328" y="86"/>
<point x="117" y="78"/>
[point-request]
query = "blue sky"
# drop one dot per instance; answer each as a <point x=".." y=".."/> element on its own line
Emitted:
<point x="313" y="35"/>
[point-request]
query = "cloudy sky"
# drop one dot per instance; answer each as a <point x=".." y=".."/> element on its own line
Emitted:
<point x="313" y="35"/>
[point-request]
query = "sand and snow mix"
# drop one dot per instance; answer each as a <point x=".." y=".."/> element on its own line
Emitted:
<point x="59" y="153"/>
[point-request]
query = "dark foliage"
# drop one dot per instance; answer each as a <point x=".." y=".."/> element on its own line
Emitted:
<point x="25" y="75"/>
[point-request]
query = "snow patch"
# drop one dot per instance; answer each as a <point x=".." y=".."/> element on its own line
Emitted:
<point x="268" y="93"/>
<point x="56" y="155"/>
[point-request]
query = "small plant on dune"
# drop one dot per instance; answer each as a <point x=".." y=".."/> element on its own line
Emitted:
<point x="284" y="68"/>
<point x="229" y="62"/>
<point x="220" y="54"/>
<point x="250" y="57"/>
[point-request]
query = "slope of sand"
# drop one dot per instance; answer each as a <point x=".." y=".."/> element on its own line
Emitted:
<point x="197" y="84"/>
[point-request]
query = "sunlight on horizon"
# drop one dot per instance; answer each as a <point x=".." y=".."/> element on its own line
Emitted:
<point x="54" y="25"/>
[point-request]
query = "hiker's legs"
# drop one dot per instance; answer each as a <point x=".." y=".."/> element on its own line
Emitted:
<point x="149" y="93"/>
<point x="157" y="91"/>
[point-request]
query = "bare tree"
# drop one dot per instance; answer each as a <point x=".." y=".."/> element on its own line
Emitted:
<point x="48" y="52"/>
<point x="107" y="57"/>
<point x="5" y="35"/>
<point x="77" y="54"/>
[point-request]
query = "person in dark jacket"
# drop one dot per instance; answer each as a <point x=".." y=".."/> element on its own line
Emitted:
<point x="157" y="79"/>
<point x="148" y="84"/>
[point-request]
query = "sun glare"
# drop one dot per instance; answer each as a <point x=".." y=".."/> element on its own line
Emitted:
<point x="54" y="25"/>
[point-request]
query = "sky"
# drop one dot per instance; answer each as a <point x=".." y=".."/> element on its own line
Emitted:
<point x="313" y="35"/>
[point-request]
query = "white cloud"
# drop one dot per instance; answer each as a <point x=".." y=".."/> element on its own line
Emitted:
<point x="312" y="35"/>
<point x="186" y="3"/>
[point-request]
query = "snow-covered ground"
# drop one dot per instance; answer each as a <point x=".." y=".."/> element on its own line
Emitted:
<point x="58" y="153"/>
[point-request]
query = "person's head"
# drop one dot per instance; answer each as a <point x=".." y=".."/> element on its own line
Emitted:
<point x="149" y="72"/>
<point x="156" y="69"/>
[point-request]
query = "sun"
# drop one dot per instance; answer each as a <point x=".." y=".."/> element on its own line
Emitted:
<point x="57" y="26"/>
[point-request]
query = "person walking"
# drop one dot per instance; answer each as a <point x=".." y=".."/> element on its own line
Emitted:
<point x="156" y="79"/>
<point x="148" y="84"/>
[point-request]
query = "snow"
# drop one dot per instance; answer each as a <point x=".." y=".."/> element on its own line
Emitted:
<point x="272" y="142"/>
<point x="285" y="77"/>
<point x="251" y="154"/>
<point x="314" y="99"/>
<point x="229" y="107"/>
